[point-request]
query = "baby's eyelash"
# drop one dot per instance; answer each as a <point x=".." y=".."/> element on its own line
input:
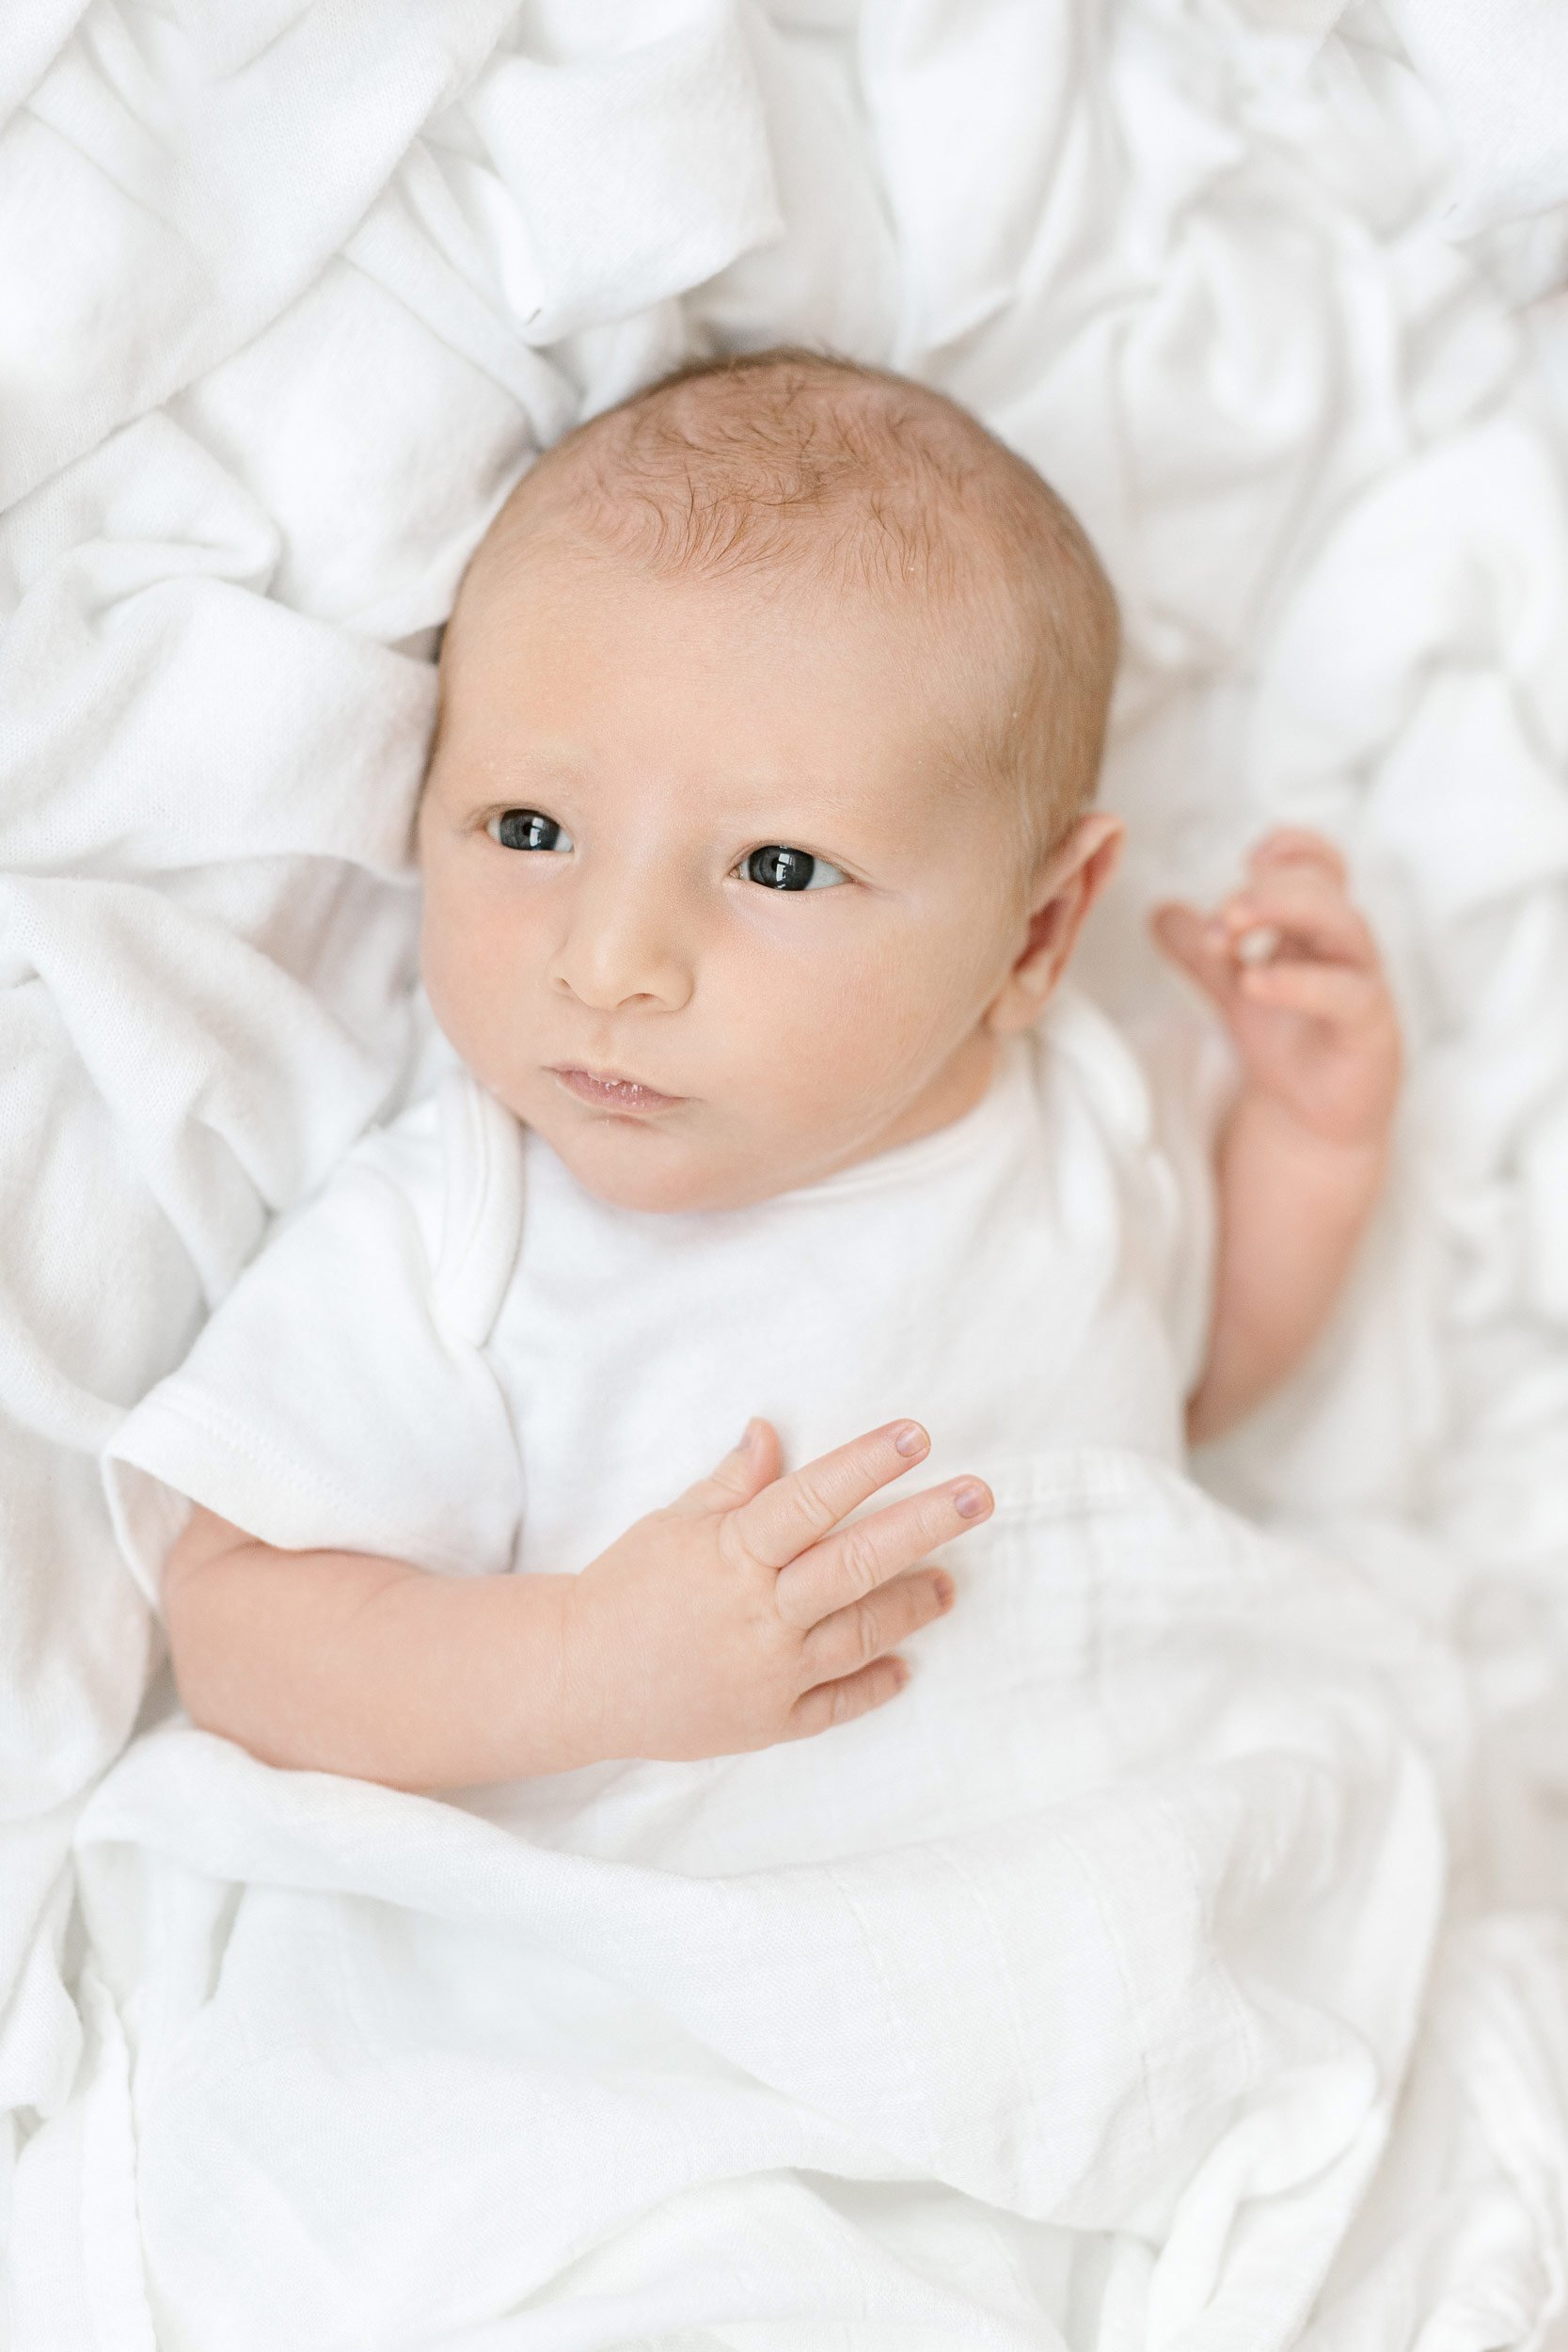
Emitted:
<point x="779" y="866"/>
<point x="527" y="828"/>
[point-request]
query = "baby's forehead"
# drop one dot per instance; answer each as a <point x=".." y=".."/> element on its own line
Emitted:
<point x="623" y="701"/>
<point x="579" y="657"/>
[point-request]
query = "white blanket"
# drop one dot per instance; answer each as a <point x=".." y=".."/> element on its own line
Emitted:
<point x="288" y="296"/>
<point x="1074" y="1985"/>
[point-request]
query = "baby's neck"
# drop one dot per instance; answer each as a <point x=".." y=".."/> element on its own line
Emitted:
<point x="956" y="1088"/>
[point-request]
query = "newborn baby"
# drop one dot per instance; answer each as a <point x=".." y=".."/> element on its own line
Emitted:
<point x="755" y="843"/>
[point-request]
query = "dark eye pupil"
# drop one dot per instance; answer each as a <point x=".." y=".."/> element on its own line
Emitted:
<point x="781" y="868"/>
<point x="525" y="829"/>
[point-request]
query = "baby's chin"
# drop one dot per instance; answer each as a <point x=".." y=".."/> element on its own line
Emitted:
<point x="633" y="1163"/>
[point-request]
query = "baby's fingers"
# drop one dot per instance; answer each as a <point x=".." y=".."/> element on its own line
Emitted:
<point x="852" y="1637"/>
<point x="1191" y="940"/>
<point x="793" y="1513"/>
<point x="1293" y="845"/>
<point x="1335" y="992"/>
<point x="752" y="1464"/>
<point x="844" y="1568"/>
<point x="1308" y="912"/>
<point x="839" y="1702"/>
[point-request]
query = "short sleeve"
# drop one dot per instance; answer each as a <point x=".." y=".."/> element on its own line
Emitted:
<point x="1191" y="1073"/>
<point x="332" y="1400"/>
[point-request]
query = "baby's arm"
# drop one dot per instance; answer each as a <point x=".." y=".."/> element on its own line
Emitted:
<point x="741" y="1615"/>
<point x="1304" y="1152"/>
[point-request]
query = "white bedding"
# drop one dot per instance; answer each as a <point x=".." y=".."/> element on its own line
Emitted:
<point x="1117" y="1928"/>
<point x="287" y="298"/>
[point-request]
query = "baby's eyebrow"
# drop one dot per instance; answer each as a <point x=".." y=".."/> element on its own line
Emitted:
<point x="826" y="821"/>
<point x="554" y="759"/>
<point x="518" y="773"/>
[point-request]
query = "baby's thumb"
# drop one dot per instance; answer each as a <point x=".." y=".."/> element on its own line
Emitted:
<point x="1182" y="933"/>
<point x="746" y="1468"/>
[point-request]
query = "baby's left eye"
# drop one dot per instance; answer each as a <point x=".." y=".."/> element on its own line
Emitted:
<point x="779" y="867"/>
<point x="529" y="829"/>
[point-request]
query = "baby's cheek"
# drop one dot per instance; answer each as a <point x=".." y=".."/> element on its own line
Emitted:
<point x="467" y="965"/>
<point x="441" y="963"/>
<point x="860" y="1040"/>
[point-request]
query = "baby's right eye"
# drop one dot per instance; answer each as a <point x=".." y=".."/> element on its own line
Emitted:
<point x="527" y="828"/>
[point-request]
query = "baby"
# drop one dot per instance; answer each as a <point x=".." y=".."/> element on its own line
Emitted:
<point x="779" y="628"/>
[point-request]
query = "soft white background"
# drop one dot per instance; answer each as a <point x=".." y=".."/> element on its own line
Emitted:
<point x="289" y="294"/>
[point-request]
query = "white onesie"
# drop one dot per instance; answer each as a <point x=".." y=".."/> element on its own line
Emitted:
<point x="455" y="1356"/>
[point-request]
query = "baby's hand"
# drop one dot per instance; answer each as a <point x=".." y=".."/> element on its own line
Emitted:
<point x="1295" y="970"/>
<point x="737" y="1617"/>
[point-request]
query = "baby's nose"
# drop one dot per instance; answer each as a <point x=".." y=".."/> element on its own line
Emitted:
<point x="618" y="955"/>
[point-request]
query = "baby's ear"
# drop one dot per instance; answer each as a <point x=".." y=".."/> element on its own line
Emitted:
<point x="1069" y="882"/>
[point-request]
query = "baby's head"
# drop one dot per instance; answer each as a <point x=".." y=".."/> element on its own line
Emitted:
<point x="770" y="708"/>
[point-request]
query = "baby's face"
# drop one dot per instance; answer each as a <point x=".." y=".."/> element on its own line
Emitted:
<point x="629" y="767"/>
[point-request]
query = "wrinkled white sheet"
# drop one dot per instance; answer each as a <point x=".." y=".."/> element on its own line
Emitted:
<point x="288" y="296"/>
<point x="1118" y="1926"/>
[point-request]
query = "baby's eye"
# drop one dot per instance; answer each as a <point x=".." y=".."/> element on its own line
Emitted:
<point x="527" y="828"/>
<point x="778" y="867"/>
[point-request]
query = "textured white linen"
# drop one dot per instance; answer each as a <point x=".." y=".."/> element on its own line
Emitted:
<point x="287" y="295"/>
<point x="1071" y="1989"/>
<point x="1499" y="70"/>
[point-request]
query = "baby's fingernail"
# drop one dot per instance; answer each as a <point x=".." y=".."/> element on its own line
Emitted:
<point x="970" y="1500"/>
<point x="749" y="1436"/>
<point x="909" y="1438"/>
<point x="943" y="1587"/>
<point x="1257" y="945"/>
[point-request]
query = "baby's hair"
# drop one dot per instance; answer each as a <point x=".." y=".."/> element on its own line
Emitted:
<point x="788" y="457"/>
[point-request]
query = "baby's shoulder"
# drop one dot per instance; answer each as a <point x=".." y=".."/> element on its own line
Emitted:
<point x="1173" y="1062"/>
<point x="1082" y="1063"/>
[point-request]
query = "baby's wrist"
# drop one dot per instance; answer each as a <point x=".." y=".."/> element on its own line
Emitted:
<point x="580" y="1733"/>
<point x="528" y="1700"/>
<point x="1353" y="1159"/>
<point x="1367" y="1140"/>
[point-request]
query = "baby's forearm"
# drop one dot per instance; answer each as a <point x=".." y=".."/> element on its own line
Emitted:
<point x="1293" y="1209"/>
<point x="342" y="1662"/>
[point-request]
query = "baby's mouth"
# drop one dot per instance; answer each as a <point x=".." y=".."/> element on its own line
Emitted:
<point x="613" y="1093"/>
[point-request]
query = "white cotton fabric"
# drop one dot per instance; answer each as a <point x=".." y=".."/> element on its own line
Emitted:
<point x="1067" y="1993"/>
<point x="290" y="294"/>
<point x="459" y="1356"/>
<point x="1499" y="70"/>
